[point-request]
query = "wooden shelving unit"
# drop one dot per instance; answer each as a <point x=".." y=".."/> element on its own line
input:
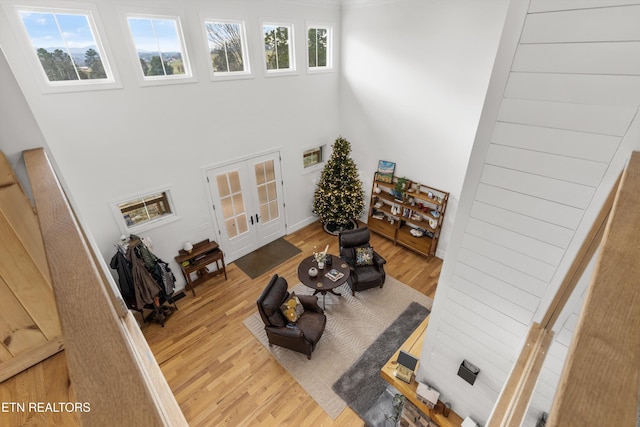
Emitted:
<point x="411" y="217"/>
<point x="413" y="345"/>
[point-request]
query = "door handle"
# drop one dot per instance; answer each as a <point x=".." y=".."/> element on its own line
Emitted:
<point x="251" y="220"/>
<point x="257" y="219"/>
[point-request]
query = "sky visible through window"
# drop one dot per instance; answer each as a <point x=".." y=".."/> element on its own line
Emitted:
<point x="65" y="46"/>
<point x="162" y="34"/>
<point x="159" y="47"/>
<point x="44" y="31"/>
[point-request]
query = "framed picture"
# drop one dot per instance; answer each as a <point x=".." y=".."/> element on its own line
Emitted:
<point x="385" y="171"/>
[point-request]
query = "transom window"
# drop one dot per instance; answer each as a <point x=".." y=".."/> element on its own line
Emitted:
<point x="66" y="46"/>
<point x="319" y="44"/>
<point x="145" y="211"/>
<point x="159" y="47"/>
<point x="227" y="47"/>
<point x="278" y="47"/>
<point x="312" y="156"/>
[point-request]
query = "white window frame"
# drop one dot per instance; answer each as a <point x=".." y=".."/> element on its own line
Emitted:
<point x="62" y="86"/>
<point x="292" y="49"/>
<point x="228" y="75"/>
<point x="136" y="229"/>
<point x="329" y="66"/>
<point x="318" y="166"/>
<point x="189" y="75"/>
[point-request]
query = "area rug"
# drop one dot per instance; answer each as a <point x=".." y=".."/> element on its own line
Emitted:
<point x="361" y="385"/>
<point x="267" y="257"/>
<point x="353" y="324"/>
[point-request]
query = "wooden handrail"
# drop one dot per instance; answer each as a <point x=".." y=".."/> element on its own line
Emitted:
<point x="511" y="407"/>
<point x="110" y="364"/>
<point x="601" y="376"/>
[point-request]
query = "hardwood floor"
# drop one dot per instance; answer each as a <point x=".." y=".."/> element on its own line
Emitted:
<point x="220" y="374"/>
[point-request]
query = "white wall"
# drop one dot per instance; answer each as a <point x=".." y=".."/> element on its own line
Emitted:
<point x="18" y="128"/>
<point x="559" y="123"/>
<point x="415" y="74"/>
<point x="110" y="144"/>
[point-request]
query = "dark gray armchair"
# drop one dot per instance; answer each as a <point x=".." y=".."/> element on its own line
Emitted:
<point x="307" y="330"/>
<point x="367" y="269"/>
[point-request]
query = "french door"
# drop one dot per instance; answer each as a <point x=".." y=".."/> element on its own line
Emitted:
<point x="247" y="203"/>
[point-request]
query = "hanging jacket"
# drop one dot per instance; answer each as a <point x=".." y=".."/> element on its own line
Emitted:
<point x="164" y="277"/>
<point x="144" y="284"/>
<point x="121" y="264"/>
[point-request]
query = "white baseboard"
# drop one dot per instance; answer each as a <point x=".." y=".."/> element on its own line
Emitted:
<point x="301" y="224"/>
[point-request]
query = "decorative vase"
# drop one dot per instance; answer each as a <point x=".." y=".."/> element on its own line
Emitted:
<point x="321" y="265"/>
<point x="313" y="272"/>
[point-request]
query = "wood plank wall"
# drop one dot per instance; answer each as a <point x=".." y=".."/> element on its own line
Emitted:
<point x="557" y="145"/>
<point x="92" y="327"/>
<point x="29" y="327"/>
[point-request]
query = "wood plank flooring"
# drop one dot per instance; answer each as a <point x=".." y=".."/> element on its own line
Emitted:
<point x="220" y="374"/>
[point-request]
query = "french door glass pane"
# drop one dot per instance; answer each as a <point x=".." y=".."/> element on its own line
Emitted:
<point x="223" y="185"/>
<point x="234" y="180"/>
<point x="269" y="171"/>
<point x="259" y="168"/>
<point x="232" y="201"/>
<point x="266" y="188"/>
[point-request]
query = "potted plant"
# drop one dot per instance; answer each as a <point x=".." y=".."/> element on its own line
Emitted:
<point x="400" y="187"/>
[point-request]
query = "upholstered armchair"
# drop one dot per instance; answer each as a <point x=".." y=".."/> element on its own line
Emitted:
<point x="367" y="266"/>
<point x="303" y="327"/>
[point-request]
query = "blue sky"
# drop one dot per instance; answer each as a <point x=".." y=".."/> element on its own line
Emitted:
<point x="154" y="35"/>
<point x="148" y="34"/>
<point x="45" y="33"/>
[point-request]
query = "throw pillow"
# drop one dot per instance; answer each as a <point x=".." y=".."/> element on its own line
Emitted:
<point x="364" y="256"/>
<point x="292" y="308"/>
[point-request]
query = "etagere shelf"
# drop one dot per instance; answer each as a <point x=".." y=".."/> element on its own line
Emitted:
<point x="409" y="213"/>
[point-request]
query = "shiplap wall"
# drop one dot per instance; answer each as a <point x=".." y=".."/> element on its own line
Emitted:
<point x="552" y="152"/>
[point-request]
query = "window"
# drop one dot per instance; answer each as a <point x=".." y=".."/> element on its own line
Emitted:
<point x="159" y="48"/>
<point x="151" y="208"/>
<point x="278" y="47"/>
<point x="66" y="46"/>
<point x="319" y="44"/>
<point x="312" y="156"/>
<point x="227" y="48"/>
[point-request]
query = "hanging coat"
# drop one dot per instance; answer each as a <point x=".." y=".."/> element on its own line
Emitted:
<point x="121" y="264"/>
<point x="145" y="285"/>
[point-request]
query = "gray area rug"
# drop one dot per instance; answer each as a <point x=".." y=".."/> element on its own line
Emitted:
<point x="353" y="324"/>
<point x="361" y="385"/>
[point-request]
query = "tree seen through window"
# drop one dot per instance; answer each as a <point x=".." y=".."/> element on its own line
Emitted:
<point x="65" y="45"/>
<point x="317" y="43"/>
<point x="277" y="47"/>
<point x="159" y="46"/>
<point x="226" y="46"/>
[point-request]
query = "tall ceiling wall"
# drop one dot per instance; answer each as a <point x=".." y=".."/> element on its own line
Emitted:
<point x="558" y="126"/>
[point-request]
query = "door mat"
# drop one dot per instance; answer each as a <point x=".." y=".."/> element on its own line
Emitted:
<point x="267" y="257"/>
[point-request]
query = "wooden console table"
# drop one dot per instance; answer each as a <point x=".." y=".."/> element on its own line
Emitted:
<point x="196" y="261"/>
<point x="413" y="345"/>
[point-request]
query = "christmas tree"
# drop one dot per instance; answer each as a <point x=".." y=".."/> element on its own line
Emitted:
<point x="339" y="198"/>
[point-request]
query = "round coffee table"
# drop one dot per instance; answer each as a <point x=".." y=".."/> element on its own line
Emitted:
<point x="322" y="284"/>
